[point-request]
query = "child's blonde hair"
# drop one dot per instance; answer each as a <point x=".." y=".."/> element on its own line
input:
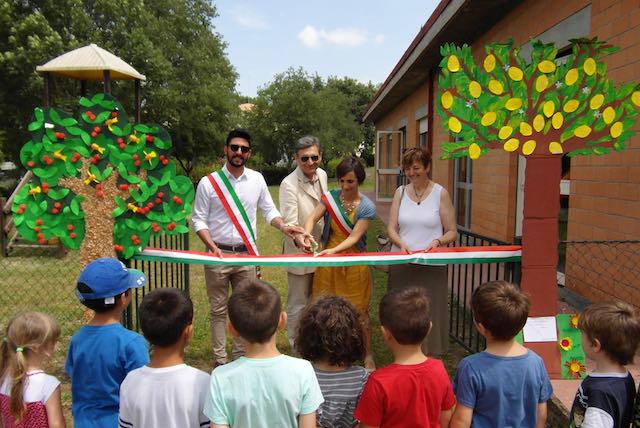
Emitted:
<point x="26" y="333"/>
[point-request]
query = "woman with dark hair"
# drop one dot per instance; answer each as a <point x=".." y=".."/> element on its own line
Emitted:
<point x="347" y="214"/>
<point x="422" y="218"/>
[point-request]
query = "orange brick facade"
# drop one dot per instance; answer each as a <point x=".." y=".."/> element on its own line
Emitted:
<point x="605" y="190"/>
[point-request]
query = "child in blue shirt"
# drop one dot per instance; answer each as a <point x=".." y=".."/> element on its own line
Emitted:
<point x="507" y="384"/>
<point x="102" y="352"/>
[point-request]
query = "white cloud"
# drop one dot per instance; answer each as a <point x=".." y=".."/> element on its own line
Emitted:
<point x="249" y="18"/>
<point x="309" y="36"/>
<point x="350" y="37"/>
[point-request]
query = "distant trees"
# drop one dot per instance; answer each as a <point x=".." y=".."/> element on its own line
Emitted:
<point x="296" y="103"/>
<point x="190" y="82"/>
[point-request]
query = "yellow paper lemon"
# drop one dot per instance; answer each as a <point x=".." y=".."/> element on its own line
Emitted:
<point x="547" y="66"/>
<point x="474" y="89"/>
<point x="571" y="106"/>
<point x="541" y="83"/>
<point x="447" y="100"/>
<point x="608" y="115"/>
<point x="513" y="104"/>
<point x="616" y="129"/>
<point x="496" y="87"/>
<point x="571" y="77"/>
<point x="635" y="98"/>
<point x="596" y="101"/>
<point x="505" y="132"/>
<point x="548" y="108"/>
<point x="538" y="123"/>
<point x="589" y="66"/>
<point x="453" y="64"/>
<point x="515" y="73"/>
<point x="582" y="131"/>
<point x="511" y="145"/>
<point x="525" y="129"/>
<point x="555" y="148"/>
<point x="488" y="119"/>
<point x="489" y="63"/>
<point x="454" y="125"/>
<point x="474" y="151"/>
<point x="557" y="120"/>
<point x="528" y="147"/>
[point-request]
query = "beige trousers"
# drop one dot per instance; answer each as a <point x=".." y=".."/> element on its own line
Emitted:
<point x="218" y="279"/>
<point x="298" y="297"/>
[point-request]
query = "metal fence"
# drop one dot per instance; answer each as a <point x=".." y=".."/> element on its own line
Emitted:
<point x="45" y="281"/>
<point x="464" y="279"/>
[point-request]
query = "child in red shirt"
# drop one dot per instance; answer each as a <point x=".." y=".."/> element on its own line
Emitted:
<point x="415" y="390"/>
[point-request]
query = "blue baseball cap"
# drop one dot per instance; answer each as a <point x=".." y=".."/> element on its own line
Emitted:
<point x="108" y="278"/>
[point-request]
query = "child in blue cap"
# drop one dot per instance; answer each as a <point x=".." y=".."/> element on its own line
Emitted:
<point x="102" y="352"/>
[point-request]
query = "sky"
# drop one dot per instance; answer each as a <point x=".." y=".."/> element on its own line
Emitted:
<point x="361" y="39"/>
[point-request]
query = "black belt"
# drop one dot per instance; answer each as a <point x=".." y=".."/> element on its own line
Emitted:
<point x="233" y="248"/>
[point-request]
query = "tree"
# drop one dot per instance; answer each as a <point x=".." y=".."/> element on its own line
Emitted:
<point x="190" y="82"/>
<point x="297" y="104"/>
<point x="102" y="184"/>
<point x="544" y="111"/>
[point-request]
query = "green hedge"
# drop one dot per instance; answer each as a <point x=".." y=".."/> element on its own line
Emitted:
<point x="274" y="175"/>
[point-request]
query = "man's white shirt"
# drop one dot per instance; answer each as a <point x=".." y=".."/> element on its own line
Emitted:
<point x="252" y="191"/>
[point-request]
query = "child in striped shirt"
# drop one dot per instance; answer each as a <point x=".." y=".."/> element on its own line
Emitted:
<point x="330" y="335"/>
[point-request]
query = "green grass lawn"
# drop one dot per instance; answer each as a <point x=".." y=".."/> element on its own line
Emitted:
<point x="47" y="283"/>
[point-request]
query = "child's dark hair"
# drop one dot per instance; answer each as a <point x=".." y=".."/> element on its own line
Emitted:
<point x="330" y="329"/>
<point x="616" y="325"/>
<point x="254" y="311"/>
<point x="164" y="314"/>
<point x="29" y="332"/>
<point x="98" y="305"/>
<point x="405" y="313"/>
<point x="501" y="308"/>
<point x="349" y="164"/>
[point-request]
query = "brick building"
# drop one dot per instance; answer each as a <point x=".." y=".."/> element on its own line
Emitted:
<point x="600" y="194"/>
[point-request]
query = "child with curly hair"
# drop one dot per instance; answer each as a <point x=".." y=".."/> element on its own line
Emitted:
<point x="330" y="334"/>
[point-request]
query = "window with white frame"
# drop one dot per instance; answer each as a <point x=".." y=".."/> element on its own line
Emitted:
<point x="462" y="170"/>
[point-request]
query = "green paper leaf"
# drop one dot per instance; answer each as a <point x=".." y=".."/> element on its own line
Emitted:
<point x="75" y="206"/>
<point x="34" y="126"/>
<point x="84" y="102"/>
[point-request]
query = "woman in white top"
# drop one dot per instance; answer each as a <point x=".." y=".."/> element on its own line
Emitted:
<point x="422" y="218"/>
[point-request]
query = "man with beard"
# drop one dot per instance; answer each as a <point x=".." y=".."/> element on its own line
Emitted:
<point x="224" y="217"/>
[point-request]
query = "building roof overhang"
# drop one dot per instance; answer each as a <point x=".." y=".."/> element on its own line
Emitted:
<point x="453" y="21"/>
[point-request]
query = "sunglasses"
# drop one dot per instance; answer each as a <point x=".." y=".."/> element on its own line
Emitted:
<point x="314" y="158"/>
<point x="244" y="149"/>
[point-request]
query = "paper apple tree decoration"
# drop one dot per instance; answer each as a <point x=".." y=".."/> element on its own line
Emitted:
<point x="101" y="184"/>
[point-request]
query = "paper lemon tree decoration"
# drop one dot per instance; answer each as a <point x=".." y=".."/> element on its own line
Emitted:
<point x="537" y="107"/>
<point x="101" y="183"/>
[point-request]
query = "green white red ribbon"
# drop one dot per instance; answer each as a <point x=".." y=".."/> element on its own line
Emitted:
<point x="233" y="206"/>
<point x="436" y="256"/>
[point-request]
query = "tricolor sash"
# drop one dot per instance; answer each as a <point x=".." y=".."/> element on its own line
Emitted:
<point x="234" y="209"/>
<point x="334" y="207"/>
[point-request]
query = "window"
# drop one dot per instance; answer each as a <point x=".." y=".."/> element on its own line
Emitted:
<point x="423" y="128"/>
<point x="462" y="170"/>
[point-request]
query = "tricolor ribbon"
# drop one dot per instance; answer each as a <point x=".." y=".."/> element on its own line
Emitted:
<point x="436" y="256"/>
<point x="334" y="207"/>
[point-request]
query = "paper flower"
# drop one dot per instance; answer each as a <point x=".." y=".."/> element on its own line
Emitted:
<point x="566" y="343"/>
<point x="574" y="320"/>
<point x="576" y="368"/>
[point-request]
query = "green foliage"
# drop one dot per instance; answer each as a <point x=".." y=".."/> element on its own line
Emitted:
<point x="536" y="107"/>
<point x="296" y="104"/>
<point x="100" y="158"/>
<point x="190" y="82"/>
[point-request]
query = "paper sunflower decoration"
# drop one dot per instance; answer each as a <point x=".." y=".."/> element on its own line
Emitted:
<point x="574" y="320"/>
<point x="576" y="368"/>
<point x="566" y="343"/>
